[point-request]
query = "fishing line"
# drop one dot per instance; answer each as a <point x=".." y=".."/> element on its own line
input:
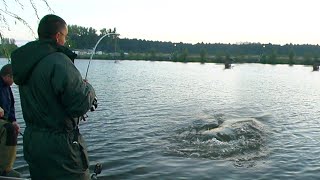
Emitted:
<point x="94" y="50"/>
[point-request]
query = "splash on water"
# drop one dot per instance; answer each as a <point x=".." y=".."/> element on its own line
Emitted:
<point x="238" y="139"/>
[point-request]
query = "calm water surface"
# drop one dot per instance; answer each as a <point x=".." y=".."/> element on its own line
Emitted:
<point x="164" y="120"/>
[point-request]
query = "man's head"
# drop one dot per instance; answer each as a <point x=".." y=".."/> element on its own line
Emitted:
<point x="53" y="27"/>
<point x="6" y="74"/>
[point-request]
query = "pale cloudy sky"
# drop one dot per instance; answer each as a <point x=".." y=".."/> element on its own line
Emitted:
<point x="189" y="21"/>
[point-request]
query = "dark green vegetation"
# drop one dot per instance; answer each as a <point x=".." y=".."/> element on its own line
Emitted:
<point x="83" y="39"/>
<point x="7" y="46"/>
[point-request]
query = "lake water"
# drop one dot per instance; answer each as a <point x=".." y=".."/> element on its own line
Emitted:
<point x="165" y="120"/>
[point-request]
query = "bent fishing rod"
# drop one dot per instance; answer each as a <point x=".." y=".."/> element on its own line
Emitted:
<point x="94" y="50"/>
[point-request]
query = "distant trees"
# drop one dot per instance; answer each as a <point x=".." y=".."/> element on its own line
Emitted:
<point x="175" y="56"/>
<point x="307" y="57"/>
<point x="184" y="55"/>
<point x="81" y="38"/>
<point x="291" y="57"/>
<point x="273" y="57"/>
<point x="152" y="55"/>
<point x="85" y="38"/>
<point x="203" y="55"/>
<point x="7" y="46"/>
<point x="263" y="59"/>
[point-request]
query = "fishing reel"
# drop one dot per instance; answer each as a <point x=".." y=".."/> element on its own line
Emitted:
<point x="94" y="104"/>
<point x="92" y="108"/>
<point x="97" y="170"/>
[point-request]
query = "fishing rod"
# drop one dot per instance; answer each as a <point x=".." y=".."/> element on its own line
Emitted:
<point x="94" y="50"/>
<point x="98" y="167"/>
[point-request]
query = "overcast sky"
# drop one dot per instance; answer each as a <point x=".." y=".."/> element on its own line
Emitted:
<point x="189" y="21"/>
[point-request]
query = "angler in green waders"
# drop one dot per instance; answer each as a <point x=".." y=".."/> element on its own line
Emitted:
<point x="9" y="127"/>
<point x="53" y="97"/>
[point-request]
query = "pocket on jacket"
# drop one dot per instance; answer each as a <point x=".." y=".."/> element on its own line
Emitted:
<point x="78" y="152"/>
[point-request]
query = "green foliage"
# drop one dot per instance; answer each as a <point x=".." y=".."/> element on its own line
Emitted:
<point x="6" y="47"/>
<point x="273" y="57"/>
<point x="291" y="57"/>
<point x="184" y="55"/>
<point x="203" y="55"/>
<point x="316" y="58"/>
<point x="153" y="55"/>
<point x="219" y="58"/>
<point x="85" y="38"/>
<point x="263" y="59"/>
<point x="307" y="58"/>
<point x="175" y="56"/>
<point x="81" y="38"/>
<point x="227" y="58"/>
<point x="122" y="55"/>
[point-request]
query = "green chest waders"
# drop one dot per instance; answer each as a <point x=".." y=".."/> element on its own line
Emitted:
<point x="8" y="145"/>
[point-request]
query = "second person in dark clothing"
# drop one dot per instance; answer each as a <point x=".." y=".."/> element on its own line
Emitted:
<point x="9" y="127"/>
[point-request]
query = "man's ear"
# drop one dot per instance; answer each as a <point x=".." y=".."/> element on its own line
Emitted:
<point x="57" y="36"/>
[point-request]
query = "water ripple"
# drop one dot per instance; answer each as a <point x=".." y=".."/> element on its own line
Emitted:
<point x="155" y="121"/>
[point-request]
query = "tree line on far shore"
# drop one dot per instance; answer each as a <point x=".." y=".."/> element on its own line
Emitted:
<point x="112" y="47"/>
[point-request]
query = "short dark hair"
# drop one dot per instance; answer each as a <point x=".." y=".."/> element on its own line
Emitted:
<point x="6" y="70"/>
<point x="50" y="25"/>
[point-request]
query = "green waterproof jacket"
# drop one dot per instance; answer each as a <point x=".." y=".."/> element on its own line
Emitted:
<point x="53" y="97"/>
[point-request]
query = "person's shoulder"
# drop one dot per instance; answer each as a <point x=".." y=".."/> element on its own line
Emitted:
<point x="53" y="61"/>
<point x="58" y="58"/>
<point x="58" y="55"/>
